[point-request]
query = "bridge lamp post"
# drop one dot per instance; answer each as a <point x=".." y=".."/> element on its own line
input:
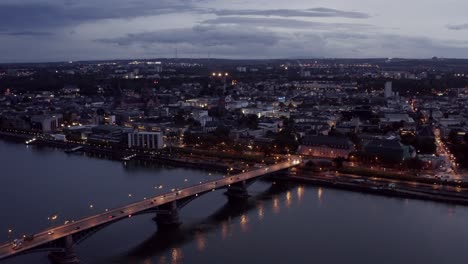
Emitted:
<point x="10" y="231"/>
<point x="52" y="220"/>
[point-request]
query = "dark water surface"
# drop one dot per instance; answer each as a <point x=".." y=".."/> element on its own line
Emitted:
<point x="280" y="224"/>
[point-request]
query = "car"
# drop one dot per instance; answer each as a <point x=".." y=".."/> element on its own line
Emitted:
<point x="51" y="232"/>
<point x="77" y="228"/>
<point x="17" y="244"/>
<point x="110" y="216"/>
<point x="28" y="237"/>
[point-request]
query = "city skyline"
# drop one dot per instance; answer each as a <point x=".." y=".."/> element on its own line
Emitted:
<point x="39" y="31"/>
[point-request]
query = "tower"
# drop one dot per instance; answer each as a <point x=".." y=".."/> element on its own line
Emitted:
<point x="388" y="90"/>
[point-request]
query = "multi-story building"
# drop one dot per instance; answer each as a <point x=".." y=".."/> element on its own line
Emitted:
<point x="326" y="147"/>
<point x="47" y="123"/>
<point x="146" y="140"/>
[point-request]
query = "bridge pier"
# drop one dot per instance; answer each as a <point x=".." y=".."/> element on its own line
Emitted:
<point x="237" y="192"/>
<point x="68" y="256"/>
<point x="168" y="216"/>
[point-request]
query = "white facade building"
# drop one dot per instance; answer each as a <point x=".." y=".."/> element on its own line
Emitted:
<point x="147" y="140"/>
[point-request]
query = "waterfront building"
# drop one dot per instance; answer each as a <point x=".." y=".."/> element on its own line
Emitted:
<point x="387" y="150"/>
<point x="146" y="140"/>
<point x="326" y="147"/>
<point x="106" y="134"/>
<point x="46" y="123"/>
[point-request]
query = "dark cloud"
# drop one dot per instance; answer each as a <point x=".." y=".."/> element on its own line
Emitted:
<point x="59" y="13"/>
<point x="207" y="36"/>
<point x="239" y="41"/>
<point x="26" y="33"/>
<point x="32" y="15"/>
<point x="458" y="27"/>
<point x="311" y="12"/>
<point x="203" y="27"/>
<point x="283" y="23"/>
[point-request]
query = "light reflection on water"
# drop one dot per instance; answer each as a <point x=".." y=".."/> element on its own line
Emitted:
<point x="288" y="199"/>
<point x="276" y="207"/>
<point x="244" y="223"/>
<point x="260" y="211"/>
<point x="277" y="220"/>
<point x="300" y="193"/>
<point x="201" y="241"/>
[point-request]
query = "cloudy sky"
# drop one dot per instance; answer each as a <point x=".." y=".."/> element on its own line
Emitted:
<point x="61" y="30"/>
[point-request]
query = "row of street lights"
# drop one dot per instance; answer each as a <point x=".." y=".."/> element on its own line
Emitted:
<point x="53" y="218"/>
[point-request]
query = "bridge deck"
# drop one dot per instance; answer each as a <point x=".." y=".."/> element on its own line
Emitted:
<point x="59" y="232"/>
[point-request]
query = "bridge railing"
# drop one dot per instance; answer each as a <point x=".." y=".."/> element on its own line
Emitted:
<point x="152" y="202"/>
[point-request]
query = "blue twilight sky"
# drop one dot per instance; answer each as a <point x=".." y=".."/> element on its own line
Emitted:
<point x="58" y="30"/>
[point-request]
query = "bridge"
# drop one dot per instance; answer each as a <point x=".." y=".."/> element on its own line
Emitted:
<point x="61" y="240"/>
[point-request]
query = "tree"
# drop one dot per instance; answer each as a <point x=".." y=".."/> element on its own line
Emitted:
<point x="408" y="139"/>
<point x="333" y="132"/>
<point x="425" y="145"/>
<point x="216" y="112"/>
<point x="286" y="141"/>
<point x="100" y="112"/>
<point x="288" y="123"/>
<point x="414" y="164"/>
<point x="179" y="118"/>
<point x="453" y="136"/>
<point x="189" y="138"/>
<point x="222" y="131"/>
<point x="339" y="161"/>
<point x="239" y="148"/>
<point x="310" y="164"/>
<point x="250" y="121"/>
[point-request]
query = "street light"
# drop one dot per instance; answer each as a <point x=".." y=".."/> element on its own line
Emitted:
<point x="52" y="219"/>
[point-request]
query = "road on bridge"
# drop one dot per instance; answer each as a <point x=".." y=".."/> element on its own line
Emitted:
<point x="49" y="235"/>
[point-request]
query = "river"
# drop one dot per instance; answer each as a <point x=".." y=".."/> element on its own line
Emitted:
<point x="281" y="223"/>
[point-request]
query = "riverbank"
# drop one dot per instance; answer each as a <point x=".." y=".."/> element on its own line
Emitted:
<point x="187" y="161"/>
<point x="378" y="189"/>
<point x="114" y="153"/>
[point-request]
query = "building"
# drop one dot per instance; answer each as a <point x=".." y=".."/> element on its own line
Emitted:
<point x="146" y="140"/>
<point x="388" y="90"/>
<point x="387" y="150"/>
<point x="326" y="147"/>
<point x="106" y="134"/>
<point x="46" y="123"/>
